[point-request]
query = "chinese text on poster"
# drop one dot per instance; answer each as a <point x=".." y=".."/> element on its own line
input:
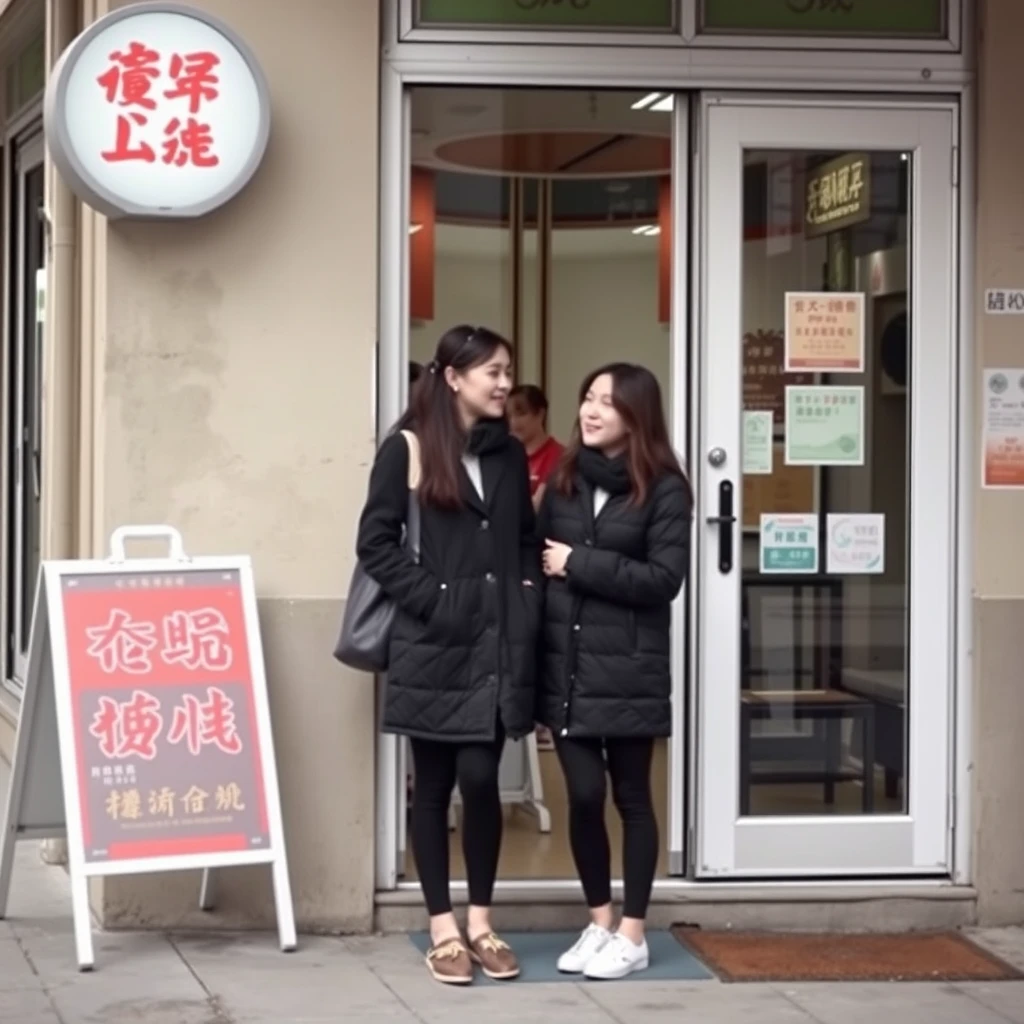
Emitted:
<point x="825" y="332"/>
<point x="166" y="736"/>
<point x="1003" y="441"/>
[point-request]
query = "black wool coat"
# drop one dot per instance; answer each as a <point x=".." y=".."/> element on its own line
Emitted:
<point x="606" y="669"/>
<point x="463" y="644"/>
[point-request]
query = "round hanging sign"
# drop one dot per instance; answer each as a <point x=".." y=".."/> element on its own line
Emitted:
<point x="157" y="110"/>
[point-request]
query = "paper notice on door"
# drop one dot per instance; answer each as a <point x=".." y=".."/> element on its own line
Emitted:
<point x="825" y="426"/>
<point x="758" y="449"/>
<point x="1003" y="441"/>
<point x="789" y="544"/>
<point x="855" y="544"/>
<point x="825" y="332"/>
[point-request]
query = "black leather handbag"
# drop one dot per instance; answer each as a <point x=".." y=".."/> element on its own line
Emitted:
<point x="369" y="612"/>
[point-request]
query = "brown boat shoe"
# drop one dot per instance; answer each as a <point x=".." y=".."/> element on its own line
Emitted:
<point x="449" y="962"/>
<point x="495" y="957"/>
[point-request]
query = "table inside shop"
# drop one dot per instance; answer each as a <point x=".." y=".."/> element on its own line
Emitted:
<point x="829" y="707"/>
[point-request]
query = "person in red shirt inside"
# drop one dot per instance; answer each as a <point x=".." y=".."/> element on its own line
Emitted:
<point x="527" y="420"/>
<point x="527" y="409"/>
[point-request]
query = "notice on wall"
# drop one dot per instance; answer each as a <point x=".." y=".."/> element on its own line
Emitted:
<point x="855" y="544"/>
<point x="825" y="426"/>
<point x="758" y="448"/>
<point x="789" y="544"/>
<point x="1004" y="301"/>
<point x="825" y="332"/>
<point x="1003" y="435"/>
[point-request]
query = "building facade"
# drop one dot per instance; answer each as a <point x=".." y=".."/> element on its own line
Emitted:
<point x="814" y="212"/>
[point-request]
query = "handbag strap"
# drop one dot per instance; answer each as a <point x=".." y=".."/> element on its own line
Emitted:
<point x="412" y="515"/>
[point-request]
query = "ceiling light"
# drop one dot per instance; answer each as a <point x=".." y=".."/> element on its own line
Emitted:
<point x="647" y="230"/>
<point x="664" y="105"/>
<point x="651" y="97"/>
<point x="413" y="228"/>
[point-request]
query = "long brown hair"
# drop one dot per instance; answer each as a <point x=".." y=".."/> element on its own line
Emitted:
<point x="636" y="396"/>
<point x="434" y="416"/>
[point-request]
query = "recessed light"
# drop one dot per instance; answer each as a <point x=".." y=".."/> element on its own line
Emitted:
<point x="643" y="104"/>
<point x="664" y="105"/>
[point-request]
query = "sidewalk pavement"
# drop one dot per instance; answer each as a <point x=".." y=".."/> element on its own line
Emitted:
<point x="245" y="979"/>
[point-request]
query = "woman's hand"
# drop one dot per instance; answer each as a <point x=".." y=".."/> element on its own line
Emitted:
<point x="555" y="557"/>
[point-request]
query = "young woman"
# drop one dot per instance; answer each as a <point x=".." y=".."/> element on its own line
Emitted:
<point x="527" y="419"/>
<point x="616" y="518"/>
<point x="463" y="644"/>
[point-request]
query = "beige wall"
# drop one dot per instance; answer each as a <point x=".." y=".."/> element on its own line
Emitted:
<point x="236" y="404"/>
<point x="999" y="572"/>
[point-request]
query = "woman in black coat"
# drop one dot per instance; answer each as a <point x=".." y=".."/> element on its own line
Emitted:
<point x="616" y="522"/>
<point x="462" y="656"/>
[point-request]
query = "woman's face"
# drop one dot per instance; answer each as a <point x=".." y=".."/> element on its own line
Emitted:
<point x="523" y="422"/>
<point x="601" y="425"/>
<point x="482" y="391"/>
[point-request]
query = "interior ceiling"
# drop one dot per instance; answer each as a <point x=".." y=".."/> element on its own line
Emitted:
<point x="538" y="132"/>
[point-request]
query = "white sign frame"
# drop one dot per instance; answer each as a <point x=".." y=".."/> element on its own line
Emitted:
<point x="82" y="182"/>
<point x="48" y="689"/>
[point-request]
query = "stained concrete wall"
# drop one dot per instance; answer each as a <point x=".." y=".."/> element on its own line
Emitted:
<point x="238" y="406"/>
<point x="999" y="571"/>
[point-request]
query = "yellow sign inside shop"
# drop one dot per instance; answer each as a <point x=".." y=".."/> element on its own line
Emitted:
<point x="838" y="194"/>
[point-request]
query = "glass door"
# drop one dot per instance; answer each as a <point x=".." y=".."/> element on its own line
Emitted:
<point x="827" y="470"/>
<point x="26" y="349"/>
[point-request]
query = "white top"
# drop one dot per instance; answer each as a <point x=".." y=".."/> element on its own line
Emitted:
<point x="472" y="464"/>
<point x="601" y="497"/>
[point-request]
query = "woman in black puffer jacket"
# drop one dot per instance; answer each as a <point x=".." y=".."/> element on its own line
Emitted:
<point x="462" y="655"/>
<point x="616" y="524"/>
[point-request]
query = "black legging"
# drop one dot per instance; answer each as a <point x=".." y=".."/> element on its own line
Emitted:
<point x="629" y="765"/>
<point x="438" y="766"/>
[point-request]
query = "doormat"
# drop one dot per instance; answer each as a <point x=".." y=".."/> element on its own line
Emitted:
<point x="538" y="952"/>
<point x="764" y="956"/>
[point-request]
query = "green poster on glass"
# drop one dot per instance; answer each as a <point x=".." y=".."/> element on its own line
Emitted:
<point x="903" y="19"/>
<point x="579" y="15"/>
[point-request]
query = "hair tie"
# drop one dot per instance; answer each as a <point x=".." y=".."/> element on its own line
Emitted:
<point x="433" y="366"/>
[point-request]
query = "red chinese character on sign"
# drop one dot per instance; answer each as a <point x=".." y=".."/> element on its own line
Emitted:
<point x="202" y="723"/>
<point x="121" y="644"/>
<point x="190" y="144"/>
<point x="196" y="640"/>
<point x="193" y="78"/>
<point x="131" y="74"/>
<point x="130" y="729"/>
<point x="123" y="149"/>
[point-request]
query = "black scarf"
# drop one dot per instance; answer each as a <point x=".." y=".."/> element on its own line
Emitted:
<point x="611" y="475"/>
<point x="487" y="437"/>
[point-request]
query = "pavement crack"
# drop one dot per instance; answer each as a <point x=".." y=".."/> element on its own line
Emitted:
<point x="604" y="1009"/>
<point x="216" y="1004"/>
<point x="397" y="995"/>
<point x="42" y="981"/>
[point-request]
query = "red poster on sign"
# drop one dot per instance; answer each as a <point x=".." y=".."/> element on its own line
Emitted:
<point x="164" y="714"/>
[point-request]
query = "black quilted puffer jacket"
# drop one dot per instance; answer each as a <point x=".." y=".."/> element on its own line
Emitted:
<point x="606" y="646"/>
<point x="464" y="641"/>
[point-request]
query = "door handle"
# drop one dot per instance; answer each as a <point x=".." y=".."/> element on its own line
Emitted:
<point x="725" y="521"/>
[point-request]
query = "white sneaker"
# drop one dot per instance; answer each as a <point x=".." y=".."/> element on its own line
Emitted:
<point x="591" y="941"/>
<point x="617" y="958"/>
